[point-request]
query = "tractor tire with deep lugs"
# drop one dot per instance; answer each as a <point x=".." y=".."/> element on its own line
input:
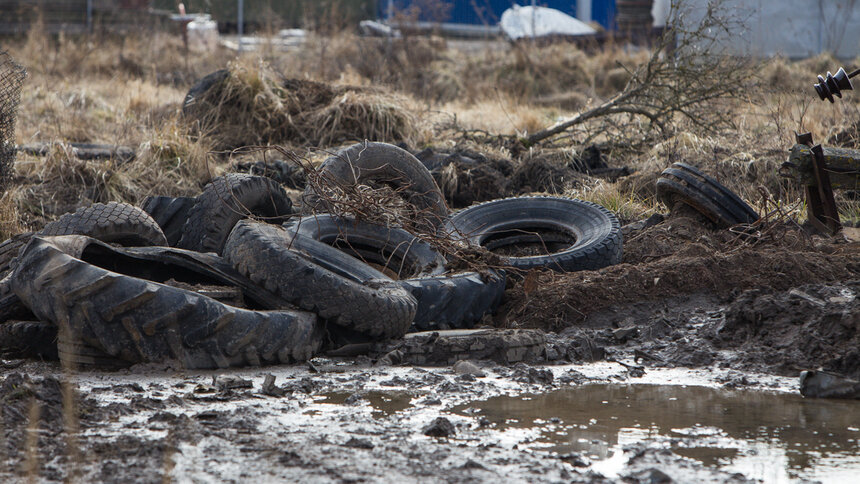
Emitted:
<point x="320" y="278"/>
<point x="454" y="301"/>
<point x="387" y="164"/>
<point x="594" y="231"/>
<point x="134" y="320"/>
<point x="225" y="201"/>
<point x="683" y="183"/>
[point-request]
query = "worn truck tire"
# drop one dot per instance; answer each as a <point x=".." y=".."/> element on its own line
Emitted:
<point x="123" y="319"/>
<point x="391" y="248"/>
<point x="386" y="164"/>
<point x="445" y="301"/>
<point x="225" y="201"/>
<point x="170" y="213"/>
<point x="28" y="339"/>
<point x="682" y="183"/>
<point x="109" y="222"/>
<point x="595" y="231"/>
<point x="320" y="278"/>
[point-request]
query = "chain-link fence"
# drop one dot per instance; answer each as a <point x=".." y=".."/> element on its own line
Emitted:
<point x="12" y="77"/>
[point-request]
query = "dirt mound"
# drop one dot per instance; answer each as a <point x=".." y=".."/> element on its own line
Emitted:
<point x="245" y="105"/>
<point x="687" y="234"/>
<point x="807" y="327"/>
<point x="556" y="301"/>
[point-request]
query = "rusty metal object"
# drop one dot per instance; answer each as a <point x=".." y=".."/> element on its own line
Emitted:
<point x="812" y="166"/>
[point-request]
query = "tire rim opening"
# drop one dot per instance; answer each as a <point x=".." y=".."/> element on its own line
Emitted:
<point x="528" y="241"/>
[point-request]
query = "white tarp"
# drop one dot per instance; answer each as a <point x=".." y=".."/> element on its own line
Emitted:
<point x="519" y="22"/>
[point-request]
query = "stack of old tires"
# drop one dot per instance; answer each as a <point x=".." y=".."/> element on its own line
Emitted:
<point x="236" y="276"/>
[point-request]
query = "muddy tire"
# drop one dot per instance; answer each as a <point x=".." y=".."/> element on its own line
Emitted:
<point x="11" y="307"/>
<point x="225" y="201"/>
<point x="28" y="339"/>
<point x="170" y="213"/>
<point x="594" y="231"/>
<point x="109" y="222"/>
<point x="114" y="317"/>
<point x="505" y="347"/>
<point x="382" y="163"/>
<point x="445" y="301"/>
<point x="9" y="251"/>
<point x="682" y="183"/>
<point x="454" y="301"/>
<point x="320" y="278"/>
<point x="391" y="248"/>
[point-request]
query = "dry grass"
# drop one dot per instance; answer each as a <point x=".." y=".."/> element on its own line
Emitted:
<point x="422" y="91"/>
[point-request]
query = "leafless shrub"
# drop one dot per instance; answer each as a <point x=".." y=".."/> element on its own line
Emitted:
<point x="689" y="76"/>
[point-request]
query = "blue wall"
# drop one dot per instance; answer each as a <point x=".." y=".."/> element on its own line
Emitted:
<point x="464" y="11"/>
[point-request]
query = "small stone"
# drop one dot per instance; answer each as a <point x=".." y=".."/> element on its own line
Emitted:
<point x="269" y="388"/>
<point x="441" y="427"/>
<point x="359" y="443"/>
<point x="622" y="334"/>
<point x="466" y="367"/>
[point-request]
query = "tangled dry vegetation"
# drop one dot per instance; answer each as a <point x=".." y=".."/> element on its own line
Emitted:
<point x="421" y="92"/>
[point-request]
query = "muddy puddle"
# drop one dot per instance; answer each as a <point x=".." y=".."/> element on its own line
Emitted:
<point x="775" y="437"/>
<point x="383" y="403"/>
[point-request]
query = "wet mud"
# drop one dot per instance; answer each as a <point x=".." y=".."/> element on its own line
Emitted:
<point x="336" y="420"/>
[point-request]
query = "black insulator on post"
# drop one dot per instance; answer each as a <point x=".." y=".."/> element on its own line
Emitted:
<point x="833" y="85"/>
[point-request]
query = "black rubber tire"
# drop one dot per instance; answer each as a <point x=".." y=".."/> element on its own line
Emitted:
<point x="454" y="301"/>
<point x="225" y="201"/>
<point x="682" y="183"/>
<point x="9" y="251"/>
<point x="382" y="163"/>
<point x="11" y="307"/>
<point x="170" y="213"/>
<point x="445" y="301"/>
<point x="597" y="233"/>
<point x="191" y="105"/>
<point x="140" y="321"/>
<point x="390" y="247"/>
<point x="28" y="339"/>
<point x="320" y="278"/>
<point x="109" y="222"/>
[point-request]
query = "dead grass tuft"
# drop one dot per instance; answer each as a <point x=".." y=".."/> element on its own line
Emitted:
<point x="254" y="105"/>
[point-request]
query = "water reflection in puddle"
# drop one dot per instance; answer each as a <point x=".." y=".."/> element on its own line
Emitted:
<point x="768" y="436"/>
<point x="384" y="403"/>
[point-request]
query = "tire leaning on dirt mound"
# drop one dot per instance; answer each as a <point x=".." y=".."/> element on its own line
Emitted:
<point x="445" y="301"/>
<point x="387" y="164"/>
<point x="592" y="231"/>
<point x="682" y="183"/>
<point x="225" y="201"/>
<point x="107" y="318"/>
<point x="320" y="278"/>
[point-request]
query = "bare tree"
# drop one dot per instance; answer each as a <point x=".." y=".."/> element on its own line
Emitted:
<point x="689" y="74"/>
